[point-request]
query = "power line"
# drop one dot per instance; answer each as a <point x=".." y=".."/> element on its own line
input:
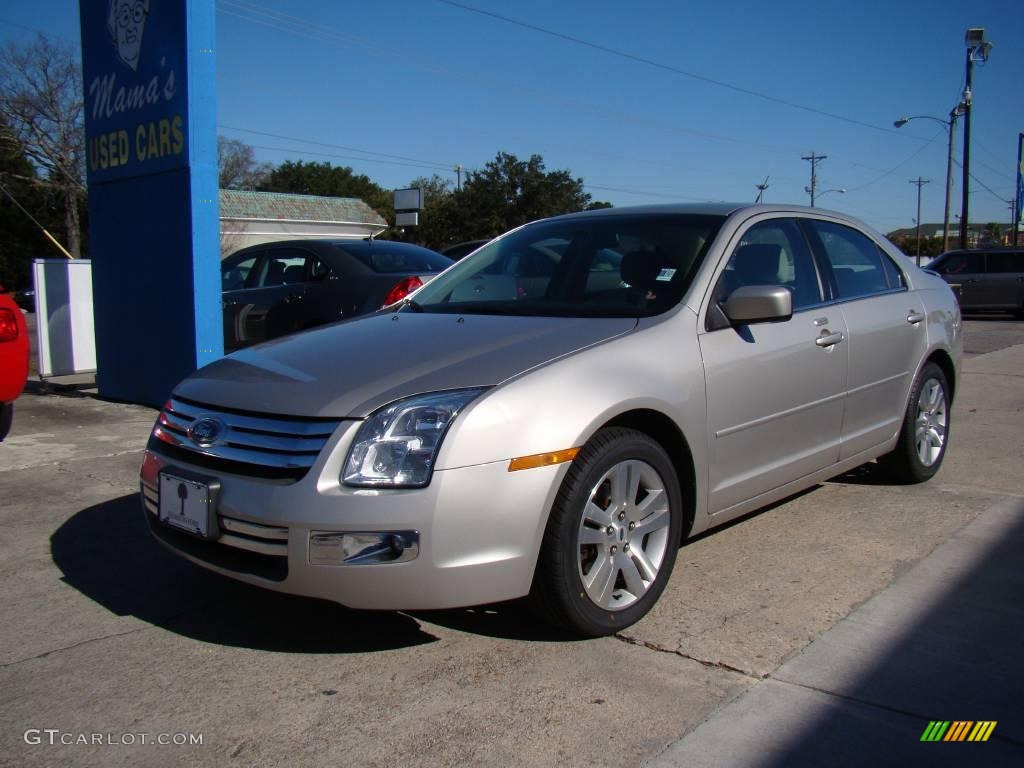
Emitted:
<point x="325" y="34"/>
<point x="419" y="161"/>
<point x="665" y="67"/>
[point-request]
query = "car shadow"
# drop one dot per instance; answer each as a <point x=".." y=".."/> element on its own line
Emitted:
<point x="107" y="553"/>
<point x="512" y="620"/>
<point x="866" y="474"/>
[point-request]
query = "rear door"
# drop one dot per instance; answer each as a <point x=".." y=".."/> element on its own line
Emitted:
<point x="887" y="333"/>
<point x="775" y="390"/>
<point x="238" y="274"/>
<point x="266" y="308"/>
<point x="1002" y="285"/>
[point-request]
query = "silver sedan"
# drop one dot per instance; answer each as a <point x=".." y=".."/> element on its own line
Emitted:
<point x="555" y="415"/>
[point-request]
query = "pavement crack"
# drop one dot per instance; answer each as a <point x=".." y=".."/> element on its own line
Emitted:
<point x="676" y="652"/>
<point x="71" y="647"/>
<point x="113" y="484"/>
<point x="877" y="705"/>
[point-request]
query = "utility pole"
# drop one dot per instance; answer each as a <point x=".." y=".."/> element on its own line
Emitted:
<point x="458" y="170"/>
<point x="1020" y="188"/>
<point x="977" y="47"/>
<point x="814" y="159"/>
<point x="920" y="183"/>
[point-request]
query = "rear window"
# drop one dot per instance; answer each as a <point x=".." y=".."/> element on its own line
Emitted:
<point x="1005" y="261"/>
<point x="393" y="258"/>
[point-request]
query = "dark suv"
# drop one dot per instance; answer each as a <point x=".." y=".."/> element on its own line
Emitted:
<point x="990" y="279"/>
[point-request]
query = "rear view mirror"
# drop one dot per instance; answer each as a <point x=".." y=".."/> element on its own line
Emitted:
<point x="758" y="304"/>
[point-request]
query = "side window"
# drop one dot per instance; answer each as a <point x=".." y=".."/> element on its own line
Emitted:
<point x="855" y="259"/>
<point x="235" y="271"/>
<point x="970" y="263"/>
<point x="1005" y="261"/>
<point x="893" y="275"/>
<point x="319" y="270"/>
<point x="772" y="253"/>
<point x="283" y="266"/>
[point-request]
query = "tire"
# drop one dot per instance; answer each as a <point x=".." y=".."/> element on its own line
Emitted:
<point x="600" y="571"/>
<point x="6" y="417"/>
<point x="925" y="431"/>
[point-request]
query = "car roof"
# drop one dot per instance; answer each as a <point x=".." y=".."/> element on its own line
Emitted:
<point x="704" y="209"/>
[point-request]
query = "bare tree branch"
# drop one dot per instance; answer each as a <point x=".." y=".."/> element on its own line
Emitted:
<point x="42" y="111"/>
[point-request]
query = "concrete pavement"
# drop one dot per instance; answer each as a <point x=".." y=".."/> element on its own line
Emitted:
<point x="846" y="617"/>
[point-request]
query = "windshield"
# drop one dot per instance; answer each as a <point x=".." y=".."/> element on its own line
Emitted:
<point x="607" y="266"/>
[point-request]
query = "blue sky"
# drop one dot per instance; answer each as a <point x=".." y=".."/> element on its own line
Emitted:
<point x="413" y="87"/>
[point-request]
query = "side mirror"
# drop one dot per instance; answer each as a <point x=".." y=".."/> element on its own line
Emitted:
<point x="758" y="304"/>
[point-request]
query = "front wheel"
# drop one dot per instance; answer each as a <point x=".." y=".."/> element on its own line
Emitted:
<point x="612" y="536"/>
<point x="6" y="417"/>
<point x="925" y="431"/>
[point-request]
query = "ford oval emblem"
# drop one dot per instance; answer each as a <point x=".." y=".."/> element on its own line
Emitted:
<point x="206" y="431"/>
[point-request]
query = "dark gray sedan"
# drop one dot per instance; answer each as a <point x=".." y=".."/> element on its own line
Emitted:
<point x="278" y="288"/>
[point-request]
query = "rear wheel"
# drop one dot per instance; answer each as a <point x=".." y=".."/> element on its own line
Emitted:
<point x="6" y="417"/>
<point x="925" y="432"/>
<point x="612" y="537"/>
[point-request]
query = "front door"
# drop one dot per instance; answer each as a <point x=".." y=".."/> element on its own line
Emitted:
<point x="775" y="390"/>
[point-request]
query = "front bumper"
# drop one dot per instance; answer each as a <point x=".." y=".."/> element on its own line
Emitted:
<point x="479" y="531"/>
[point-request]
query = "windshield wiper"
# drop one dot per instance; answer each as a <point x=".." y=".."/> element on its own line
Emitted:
<point x="414" y="305"/>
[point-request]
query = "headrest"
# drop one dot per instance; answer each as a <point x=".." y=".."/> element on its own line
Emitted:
<point x="758" y="264"/>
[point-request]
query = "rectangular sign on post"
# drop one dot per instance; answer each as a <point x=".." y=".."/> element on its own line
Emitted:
<point x="64" y="321"/>
<point x="409" y="199"/>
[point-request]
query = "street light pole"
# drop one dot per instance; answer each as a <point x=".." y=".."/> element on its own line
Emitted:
<point x="920" y="183"/>
<point x="978" y="46"/>
<point x="966" y="191"/>
<point x="950" y="127"/>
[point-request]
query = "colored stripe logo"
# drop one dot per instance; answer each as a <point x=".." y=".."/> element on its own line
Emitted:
<point x="959" y="730"/>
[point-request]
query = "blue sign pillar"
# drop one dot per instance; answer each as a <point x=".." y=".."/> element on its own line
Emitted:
<point x="150" y="127"/>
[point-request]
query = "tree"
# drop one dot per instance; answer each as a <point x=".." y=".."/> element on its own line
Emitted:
<point x="441" y="221"/>
<point x="41" y="106"/>
<point x="25" y="207"/>
<point x="304" y="178"/>
<point x="237" y="166"/>
<point x="509" y="192"/>
<point x="992" y="234"/>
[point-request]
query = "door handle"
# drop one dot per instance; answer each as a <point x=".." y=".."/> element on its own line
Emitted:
<point x="827" y="339"/>
<point x="914" y="317"/>
<point x="970" y="280"/>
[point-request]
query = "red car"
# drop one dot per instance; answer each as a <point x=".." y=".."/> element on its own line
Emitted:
<point x="13" y="359"/>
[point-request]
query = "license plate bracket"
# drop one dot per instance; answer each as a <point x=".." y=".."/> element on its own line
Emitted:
<point x="188" y="503"/>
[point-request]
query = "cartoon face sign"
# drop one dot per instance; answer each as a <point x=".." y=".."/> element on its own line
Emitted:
<point x="125" y="22"/>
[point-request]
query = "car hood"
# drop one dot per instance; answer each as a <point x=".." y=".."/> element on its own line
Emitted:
<point x="350" y="369"/>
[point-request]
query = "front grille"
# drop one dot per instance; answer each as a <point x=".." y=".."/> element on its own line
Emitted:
<point x="256" y="445"/>
<point x="265" y="566"/>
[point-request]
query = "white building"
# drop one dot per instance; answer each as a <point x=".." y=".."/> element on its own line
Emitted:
<point x="248" y="218"/>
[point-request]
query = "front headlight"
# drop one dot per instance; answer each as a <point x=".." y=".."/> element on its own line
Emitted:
<point x="396" y="447"/>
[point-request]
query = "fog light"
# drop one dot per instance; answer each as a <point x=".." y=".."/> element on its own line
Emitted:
<point x="363" y="548"/>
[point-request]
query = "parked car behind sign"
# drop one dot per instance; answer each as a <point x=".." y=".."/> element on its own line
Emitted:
<point x="556" y="413"/>
<point x="13" y="360"/>
<point x="461" y="250"/>
<point x="988" y="279"/>
<point x="278" y="288"/>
